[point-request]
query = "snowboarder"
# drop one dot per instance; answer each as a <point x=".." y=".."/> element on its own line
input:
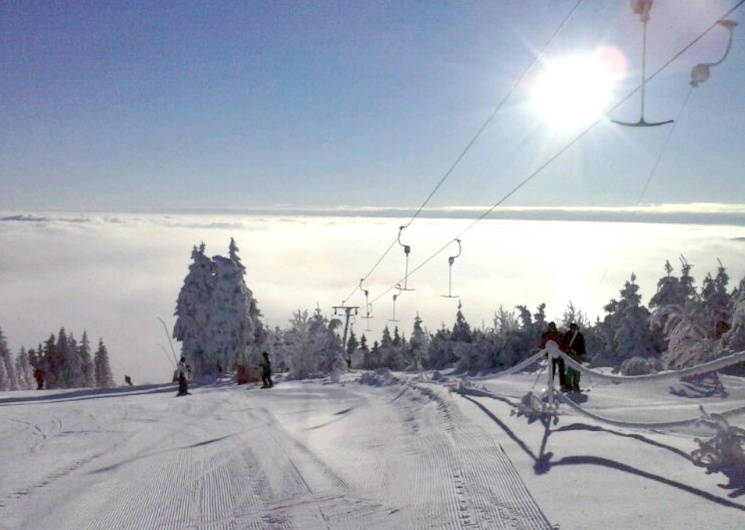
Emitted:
<point x="575" y="348"/>
<point x="553" y="334"/>
<point x="128" y="380"/>
<point x="266" y="372"/>
<point x="183" y="386"/>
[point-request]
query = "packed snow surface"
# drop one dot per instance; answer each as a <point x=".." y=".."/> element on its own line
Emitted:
<point x="377" y="451"/>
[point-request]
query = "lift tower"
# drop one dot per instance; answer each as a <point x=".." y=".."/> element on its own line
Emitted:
<point x="347" y="309"/>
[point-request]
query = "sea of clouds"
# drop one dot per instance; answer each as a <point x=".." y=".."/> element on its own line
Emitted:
<point x="112" y="274"/>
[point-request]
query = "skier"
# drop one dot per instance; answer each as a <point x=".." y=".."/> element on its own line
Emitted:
<point x="553" y="334"/>
<point x="266" y="372"/>
<point x="575" y="348"/>
<point x="183" y="386"/>
<point x="128" y="380"/>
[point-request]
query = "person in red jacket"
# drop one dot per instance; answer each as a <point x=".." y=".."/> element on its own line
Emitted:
<point x="553" y="334"/>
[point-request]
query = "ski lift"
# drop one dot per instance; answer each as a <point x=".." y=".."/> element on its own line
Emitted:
<point x="642" y="8"/>
<point x="407" y="250"/>
<point x="701" y="72"/>
<point x="395" y="296"/>
<point x="451" y="260"/>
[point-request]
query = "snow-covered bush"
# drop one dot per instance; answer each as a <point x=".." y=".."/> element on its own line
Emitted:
<point x="380" y="377"/>
<point x="725" y="450"/>
<point x="641" y="366"/>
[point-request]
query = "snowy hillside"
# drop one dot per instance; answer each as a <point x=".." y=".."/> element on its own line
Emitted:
<point x="400" y="452"/>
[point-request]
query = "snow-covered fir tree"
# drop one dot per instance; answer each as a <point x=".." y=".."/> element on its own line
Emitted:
<point x="715" y="302"/>
<point x="87" y="370"/>
<point x="50" y="364"/>
<point x="24" y="372"/>
<point x="74" y="371"/>
<point x="103" y="376"/>
<point x="7" y="372"/>
<point x="734" y="339"/>
<point x="192" y="312"/>
<point x="418" y="343"/>
<point x="218" y="320"/>
<point x="627" y="323"/>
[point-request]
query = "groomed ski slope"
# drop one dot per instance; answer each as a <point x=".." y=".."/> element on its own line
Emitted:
<point x="402" y="452"/>
<point x="301" y="455"/>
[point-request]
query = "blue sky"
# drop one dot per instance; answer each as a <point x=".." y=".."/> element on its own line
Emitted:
<point x="128" y="105"/>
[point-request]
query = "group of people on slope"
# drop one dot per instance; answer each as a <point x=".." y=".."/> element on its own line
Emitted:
<point x="183" y="374"/>
<point x="571" y="342"/>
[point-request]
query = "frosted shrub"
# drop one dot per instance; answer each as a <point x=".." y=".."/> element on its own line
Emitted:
<point x="724" y="450"/>
<point x="640" y="366"/>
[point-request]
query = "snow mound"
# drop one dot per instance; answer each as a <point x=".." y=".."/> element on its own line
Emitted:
<point x="380" y="377"/>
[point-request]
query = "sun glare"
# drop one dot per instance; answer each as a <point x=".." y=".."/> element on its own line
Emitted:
<point x="574" y="91"/>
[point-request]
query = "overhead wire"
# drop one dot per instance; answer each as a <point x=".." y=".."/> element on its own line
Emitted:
<point x="473" y="139"/>
<point x="566" y="147"/>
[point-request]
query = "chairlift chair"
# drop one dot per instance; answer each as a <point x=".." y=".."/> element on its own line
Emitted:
<point x="451" y="260"/>
<point x="642" y="8"/>
<point x="407" y="250"/>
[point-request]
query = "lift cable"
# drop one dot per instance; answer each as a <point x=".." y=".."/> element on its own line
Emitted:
<point x="475" y="137"/>
<point x="566" y="147"/>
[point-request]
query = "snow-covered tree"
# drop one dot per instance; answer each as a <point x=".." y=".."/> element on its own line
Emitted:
<point x="24" y="371"/>
<point x="74" y="371"/>
<point x="461" y="329"/>
<point x="7" y="372"/>
<point x="734" y="339"/>
<point x="87" y="370"/>
<point x="218" y="320"/>
<point x="715" y="302"/>
<point x="104" y="378"/>
<point x="193" y="310"/>
<point x="627" y="323"/>
<point x="314" y="347"/>
<point x="418" y="343"/>
<point x="50" y="363"/>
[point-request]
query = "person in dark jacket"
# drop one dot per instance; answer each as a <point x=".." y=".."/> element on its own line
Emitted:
<point x="553" y="334"/>
<point x="575" y="347"/>
<point x="266" y="372"/>
<point x="183" y="386"/>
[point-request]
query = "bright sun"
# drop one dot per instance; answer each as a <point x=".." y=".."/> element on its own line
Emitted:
<point x="574" y="91"/>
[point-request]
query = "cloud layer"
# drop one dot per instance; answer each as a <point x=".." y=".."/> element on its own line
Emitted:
<point x="113" y="274"/>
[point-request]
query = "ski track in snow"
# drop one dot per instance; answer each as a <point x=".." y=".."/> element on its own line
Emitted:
<point x="303" y="455"/>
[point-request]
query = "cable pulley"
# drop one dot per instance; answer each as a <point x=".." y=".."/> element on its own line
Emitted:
<point x="700" y="73"/>
<point x="407" y="251"/>
<point x="451" y="260"/>
<point x="642" y="8"/>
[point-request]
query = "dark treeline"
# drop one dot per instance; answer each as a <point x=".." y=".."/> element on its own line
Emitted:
<point x="57" y="362"/>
